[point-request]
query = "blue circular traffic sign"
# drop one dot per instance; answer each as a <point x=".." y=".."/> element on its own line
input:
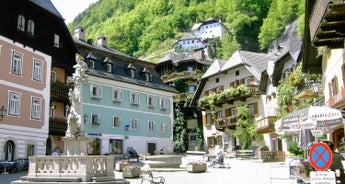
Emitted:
<point x="320" y="156"/>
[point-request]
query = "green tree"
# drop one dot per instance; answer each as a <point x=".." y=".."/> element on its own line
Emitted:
<point x="245" y="127"/>
<point x="179" y="130"/>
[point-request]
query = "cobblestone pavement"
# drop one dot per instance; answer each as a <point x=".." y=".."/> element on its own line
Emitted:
<point x="240" y="172"/>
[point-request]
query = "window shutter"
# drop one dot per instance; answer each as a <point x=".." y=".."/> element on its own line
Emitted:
<point x="256" y="110"/>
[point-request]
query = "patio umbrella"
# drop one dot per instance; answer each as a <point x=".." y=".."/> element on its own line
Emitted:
<point x="315" y="118"/>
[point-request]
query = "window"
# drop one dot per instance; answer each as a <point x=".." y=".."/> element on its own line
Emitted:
<point x="14" y="104"/>
<point x="53" y="76"/>
<point x="115" y="146"/>
<point x="237" y="73"/>
<point x="109" y="67"/>
<point x="31" y="28"/>
<point x="163" y="103"/>
<point x="21" y="23"/>
<point x="151" y="126"/>
<point x="219" y="114"/>
<point x="117" y="94"/>
<point x="37" y="71"/>
<point x="134" y="124"/>
<point x="56" y="41"/>
<point x="163" y="127"/>
<point x="190" y="69"/>
<point x="148" y="77"/>
<point x="91" y="64"/>
<point x="116" y="122"/>
<point x="134" y="97"/>
<point x="251" y="109"/>
<point x="191" y="88"/>
<point x="208" y="119"/>
<point x="52" y="110"/>
<point x="35" y="108"/>
<point x="17" y="61"/>
<point x="95" y="119"/>
<point x="150" y="101"/>
<point x="95" y="91"/>
<point x="217" y="80"/>
<point x="132" y="73"/>
<point x="247" y="81"/>
<point x="30" y="149"/>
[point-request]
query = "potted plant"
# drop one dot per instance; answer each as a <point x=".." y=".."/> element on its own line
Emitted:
<point x="120" y="164"/>
<point x="196" y="166"/>
<point x="131" y="171"/>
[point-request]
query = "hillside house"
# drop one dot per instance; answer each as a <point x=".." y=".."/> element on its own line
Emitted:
<point x="209" y="29"/>
<point x="188" y="44"/>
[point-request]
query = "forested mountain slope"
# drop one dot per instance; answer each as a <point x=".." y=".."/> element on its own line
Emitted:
<point x="150" y="27"/>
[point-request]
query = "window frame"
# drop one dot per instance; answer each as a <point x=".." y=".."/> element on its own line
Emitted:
<point x="163" y="127"/>
<point x="17" y="63"/>
<point x="95" y="118"/>
<point x="95" y="91"/>
<point x="14" y="104"/>
<point x="37" y="71"/>
<point x="118" y="97"/>
<point x="30" y="28"/>
<point x="151" y="101"/>
<point x="35" y="108"/>
<point x="134" y="98"/>
<point x="134" y="124"/>
<point x="163" y="103"/>
<point x="21" y="23"/>
<point x="116" y="120"/>
<point x="151" y="125"/>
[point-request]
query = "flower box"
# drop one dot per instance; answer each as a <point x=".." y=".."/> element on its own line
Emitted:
<point x="120" y="165"/>
<point x="131" y="173"/>
<point x="196" y="167"/>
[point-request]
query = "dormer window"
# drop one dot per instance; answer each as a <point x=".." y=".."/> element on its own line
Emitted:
<point x="148" y="75"/>
<point x="21" y="23"/>
<point x="56" y="41"/>
<point x="90" y="58"/>
<point x="31" y="28"/>
<point x="131" y="69"/>
<point x="109" y="64"/>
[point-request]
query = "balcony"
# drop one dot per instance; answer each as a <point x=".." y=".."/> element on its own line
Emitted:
<point x="311" y="89"/>
<point x="57" y="126"/>
<point x="228" y="122"/>
<point x="171" y="76"/>
<point x="266" y="124"/>
<point x="229" y="96"/>
<point x="59" y="91"/>
<point x="182" y="96"/>
<point x="327" y="23"/>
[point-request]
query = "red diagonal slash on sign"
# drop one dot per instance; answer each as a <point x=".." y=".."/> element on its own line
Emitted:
<point x="320" y="156"/>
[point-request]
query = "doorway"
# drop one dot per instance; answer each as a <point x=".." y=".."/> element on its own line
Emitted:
<point x="151" y="148"/>
<point x="9" y="151"/>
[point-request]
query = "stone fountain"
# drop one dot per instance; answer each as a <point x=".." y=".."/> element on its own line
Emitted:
<point x="75" y="166"/>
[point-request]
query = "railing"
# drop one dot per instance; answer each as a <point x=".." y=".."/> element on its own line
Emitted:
<point x="226" y="122"/>
<point x="266" y="123"/>
<point x="180" y="75"/>
<point x="59" y="90"/>
<point x="82" y="167"/>
<point x="57" y="126"/>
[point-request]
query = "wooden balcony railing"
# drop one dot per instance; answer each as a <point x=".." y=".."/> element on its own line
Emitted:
<point x="312" y="89"/>
<point x="57" y="126"/>
<point x="266" y="124"/>
<point x="179" y="75"/>
<point x="228" y="122"/>
<point x="59" y="90"/>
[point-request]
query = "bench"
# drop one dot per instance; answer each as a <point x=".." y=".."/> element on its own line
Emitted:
<point x="244" y="153"/>
<point x="146" y="175"/>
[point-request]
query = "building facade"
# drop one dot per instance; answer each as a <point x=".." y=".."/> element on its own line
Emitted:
<point x="34" y="39"/>
<point x="125" y="103"/>
<point x="209" y="29"/>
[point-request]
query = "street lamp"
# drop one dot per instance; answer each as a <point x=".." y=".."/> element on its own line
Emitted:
<point x="2" y="112"/>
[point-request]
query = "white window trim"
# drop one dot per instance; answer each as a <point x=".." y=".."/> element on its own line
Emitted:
<point x="95" y="122"/>
<point x="35" y="111"/>
<point x="163" y="103"/>
<point x="19" y="68"/>
<point x="163" y="128"/>
<point x="134" y="121"/>
<point x="16" y="110"/>
<point x="151" y="125"/>
<point x="37" y="72"/>
<point x="119" y="95"/>
<point x="151" y="101"/>
<point x="95" y="91"/>
<point x="119" y="122"/>
<point x="53" y="76"/>
<point x="134" y="97"/>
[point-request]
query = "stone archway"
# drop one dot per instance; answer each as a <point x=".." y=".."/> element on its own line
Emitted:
<point x="9" y="150"/>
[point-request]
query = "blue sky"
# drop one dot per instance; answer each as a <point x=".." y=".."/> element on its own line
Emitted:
<point x="69" y="9"/>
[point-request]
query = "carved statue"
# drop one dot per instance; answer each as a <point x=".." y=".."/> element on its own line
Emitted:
<point x="75" y="125"/>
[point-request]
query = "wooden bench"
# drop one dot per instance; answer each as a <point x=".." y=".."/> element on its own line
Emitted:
<point x="244" y="153"/>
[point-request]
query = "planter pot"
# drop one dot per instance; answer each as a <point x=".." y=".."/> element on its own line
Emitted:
<point x="131" y="173"/>
<point x="194" y="168"/>
<point x="119" y="166"/>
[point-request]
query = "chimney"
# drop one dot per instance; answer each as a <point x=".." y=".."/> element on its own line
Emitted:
<point x="101" y="41"/>
<point x="79" y="33"/>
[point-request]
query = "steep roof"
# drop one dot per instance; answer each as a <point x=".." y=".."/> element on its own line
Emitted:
<point x="47" y="5"/>
<point x="176" y="58"/>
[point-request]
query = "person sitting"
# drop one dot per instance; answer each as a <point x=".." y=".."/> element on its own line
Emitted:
<point x="132" y="152"/>
<point x="218" y="159"/>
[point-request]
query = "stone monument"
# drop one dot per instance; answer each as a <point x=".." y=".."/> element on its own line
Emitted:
<point x="75" y="166"/>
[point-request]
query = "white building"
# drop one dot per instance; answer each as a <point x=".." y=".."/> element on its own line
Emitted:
<point x="209" y="29"/>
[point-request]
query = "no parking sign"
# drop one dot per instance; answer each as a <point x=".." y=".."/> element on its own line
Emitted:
<point x="320" y="156"/>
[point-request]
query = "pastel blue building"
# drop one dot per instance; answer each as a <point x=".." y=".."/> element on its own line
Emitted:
<point x="125" y="103"/>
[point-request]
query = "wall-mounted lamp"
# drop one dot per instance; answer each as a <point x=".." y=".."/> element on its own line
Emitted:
<point x="3" y="112"/>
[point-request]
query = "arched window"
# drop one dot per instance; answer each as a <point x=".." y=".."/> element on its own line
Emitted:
<point x="21" y="23"/>
<point x="31" y="28"/>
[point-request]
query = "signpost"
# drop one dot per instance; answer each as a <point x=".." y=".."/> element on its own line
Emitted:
<point x="320" y="157"/>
